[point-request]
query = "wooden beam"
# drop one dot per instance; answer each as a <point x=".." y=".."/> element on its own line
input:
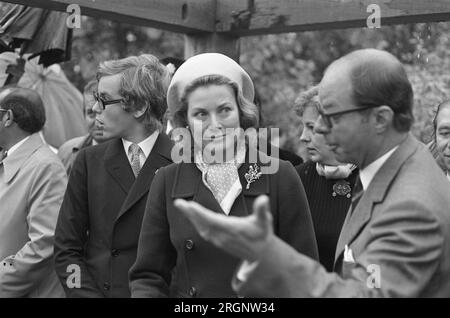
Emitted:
<point x="253" y="17"/>
<point x="219" y="43"/>
<point x="172" y="15"/>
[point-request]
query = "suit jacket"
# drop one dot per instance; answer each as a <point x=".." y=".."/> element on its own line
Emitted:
<point x="69" y="150"/>
<point x="169" y="241"/>
<point x="100" y="218"/>
<point x="32" y="185"/>
<point x="399" y="235"/>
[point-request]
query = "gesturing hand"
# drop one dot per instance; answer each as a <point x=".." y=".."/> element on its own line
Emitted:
<point x="243" y="237"/>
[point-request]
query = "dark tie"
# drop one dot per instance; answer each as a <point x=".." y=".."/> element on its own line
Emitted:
<point x="135" y="162"/>
<point x="357" y="193"/>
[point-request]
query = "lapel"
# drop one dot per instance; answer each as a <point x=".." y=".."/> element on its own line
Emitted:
<point x="188" y="184"/>
<point x="16" y="160"/>
<point x="117" y="164"/>
<point x="158" y="157"/>
<point x="375" y="193"/>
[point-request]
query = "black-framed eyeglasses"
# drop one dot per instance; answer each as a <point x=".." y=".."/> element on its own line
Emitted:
<point x="3" y="110"/>
<point x="327" y="116"/>
<point x="103" y="103"/>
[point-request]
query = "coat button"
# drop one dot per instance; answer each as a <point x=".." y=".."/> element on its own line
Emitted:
<point x="115" y="252"/>
<point x="189" y="244"/>
<point x="106" y="286"/>
<point x="192" y="292"/>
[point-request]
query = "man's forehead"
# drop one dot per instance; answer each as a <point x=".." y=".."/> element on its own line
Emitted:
<point x="110" y="83"/>
<point x="333" y="89"/>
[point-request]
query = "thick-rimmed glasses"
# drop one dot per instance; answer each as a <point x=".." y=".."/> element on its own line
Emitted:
<point x="327" y="116"/>
<point x="3" y="110"/>
<point x="103" y="103"/>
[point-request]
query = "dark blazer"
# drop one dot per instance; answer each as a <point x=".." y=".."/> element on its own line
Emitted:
<point x="169" y="241"/>
<point x="399" y="233"/>
<point x="100" y="217"/>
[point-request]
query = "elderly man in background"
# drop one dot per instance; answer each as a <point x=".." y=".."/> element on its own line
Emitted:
<point x="32" y="185"/>
<point x="68" y="151"/>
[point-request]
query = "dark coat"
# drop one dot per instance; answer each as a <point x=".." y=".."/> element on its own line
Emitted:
<point x="328" y="211"/>
<point x="169" y="241"/>
<point x="100" y="218"/>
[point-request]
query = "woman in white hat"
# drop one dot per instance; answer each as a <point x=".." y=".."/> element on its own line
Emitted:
<point x="210" y="96"/>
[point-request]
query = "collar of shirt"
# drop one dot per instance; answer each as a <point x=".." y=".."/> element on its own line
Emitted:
<point x="17" y="145"/>
<point x="366" y="175"/>
<point x="448" y="175"/>
<point x="146" y="146"/>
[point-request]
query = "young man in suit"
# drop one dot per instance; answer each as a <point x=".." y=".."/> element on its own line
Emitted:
<point x="32" y="185"/>
<point x="100" y="219"/>
<point x="395" y="241"/>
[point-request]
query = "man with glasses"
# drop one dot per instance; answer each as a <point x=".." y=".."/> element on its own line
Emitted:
<point x="32" y="185"/>
<point x="100" y="219"/>
<point x="395" y="241"/>
<point x="68" y="151"/>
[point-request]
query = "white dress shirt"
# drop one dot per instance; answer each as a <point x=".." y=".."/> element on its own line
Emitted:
<point x="146" y="146"/>
<point x="366" y="175"/>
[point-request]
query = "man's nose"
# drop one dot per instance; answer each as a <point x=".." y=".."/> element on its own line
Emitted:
<point x="320" y="127"/>
<point x="96" y="108"/>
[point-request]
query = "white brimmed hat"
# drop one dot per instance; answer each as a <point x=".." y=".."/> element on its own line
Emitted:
<point x="203" y="65"/>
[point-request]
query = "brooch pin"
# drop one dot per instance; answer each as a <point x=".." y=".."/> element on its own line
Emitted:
<point x="252" y="175"/>
<point x="342" y="188"/>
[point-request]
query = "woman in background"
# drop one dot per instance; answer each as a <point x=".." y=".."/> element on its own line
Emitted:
<point x="210" y="98"/>
<point x="328" y="183"/>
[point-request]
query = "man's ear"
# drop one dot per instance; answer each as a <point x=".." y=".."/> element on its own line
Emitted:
<point x="139" y="113"/>
<point x="384" y="117"/>
<point x="9" y="118"/>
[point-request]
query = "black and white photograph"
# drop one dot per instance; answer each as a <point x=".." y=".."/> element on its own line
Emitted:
<point x="237" y="152"/>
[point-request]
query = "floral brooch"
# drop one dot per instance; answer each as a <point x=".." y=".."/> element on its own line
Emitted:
<point x="252" y="174"/>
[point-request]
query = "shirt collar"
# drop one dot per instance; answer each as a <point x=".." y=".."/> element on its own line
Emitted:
<point x="368" y="173"/>
<point x="17" y="145"/>
<point x="146" y="145"/>
<point x="448" y="175"/>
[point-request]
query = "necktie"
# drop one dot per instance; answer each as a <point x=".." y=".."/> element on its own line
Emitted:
<point x="357" y="193"/>
<point x="135" y="162"/>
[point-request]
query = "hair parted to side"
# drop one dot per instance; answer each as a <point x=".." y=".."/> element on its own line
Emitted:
<point x="27" y="108"/>
<point x="143" y="85"/>
<point x="378" y="78"/>
<point x="248" y="112"/>
<point x="90" y="87"/>
<point x="305" y="99"/>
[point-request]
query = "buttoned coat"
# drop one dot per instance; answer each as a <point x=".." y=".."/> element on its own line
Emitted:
<point x="32" y="185"/>
<point x="100" y="219"/>
<point x="174" y="261"/>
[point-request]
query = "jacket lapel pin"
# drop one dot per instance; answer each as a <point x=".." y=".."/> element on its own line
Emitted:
<point x="252" y="174"/>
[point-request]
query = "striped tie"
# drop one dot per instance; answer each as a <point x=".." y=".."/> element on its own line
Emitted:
<point x="357" y="193"/>
<point x="135" y="162"/>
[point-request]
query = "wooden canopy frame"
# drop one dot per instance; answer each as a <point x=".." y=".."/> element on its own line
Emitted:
<point x="217" y="25"/>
